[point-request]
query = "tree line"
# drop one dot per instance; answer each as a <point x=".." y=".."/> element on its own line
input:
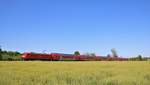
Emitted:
<point x="9" y="55"/>
<point x="16" y="56"/>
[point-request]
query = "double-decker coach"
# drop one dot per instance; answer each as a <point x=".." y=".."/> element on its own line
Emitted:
<point x="61" y="56"/>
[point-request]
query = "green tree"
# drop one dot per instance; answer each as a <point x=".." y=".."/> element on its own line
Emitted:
<point x="1" y="53"/>
<point x="139" y="57"/>
<point x="114" y="52"/>
<point x="76" y="53"/>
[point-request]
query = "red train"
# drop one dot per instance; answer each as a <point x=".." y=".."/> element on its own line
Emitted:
<point x="62" y="57"/>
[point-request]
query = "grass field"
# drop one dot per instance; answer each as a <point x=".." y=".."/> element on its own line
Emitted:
<point x="75" y="73"/>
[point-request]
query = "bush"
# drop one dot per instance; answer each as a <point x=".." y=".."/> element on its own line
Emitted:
<point x="10" y="56"/>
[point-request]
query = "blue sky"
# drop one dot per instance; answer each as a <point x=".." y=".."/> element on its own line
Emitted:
<point x="68" y="25"/>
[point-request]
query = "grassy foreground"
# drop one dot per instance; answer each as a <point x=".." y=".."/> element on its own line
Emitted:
<point x="75" y="73"/>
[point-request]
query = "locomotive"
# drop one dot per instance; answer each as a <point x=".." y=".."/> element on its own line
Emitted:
<point x="71" y="57"/>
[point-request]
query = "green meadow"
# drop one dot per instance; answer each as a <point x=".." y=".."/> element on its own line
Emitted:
<point x="75" y="73"/>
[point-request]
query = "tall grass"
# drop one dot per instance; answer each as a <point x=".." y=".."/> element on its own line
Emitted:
<point x="75" y="73"/>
